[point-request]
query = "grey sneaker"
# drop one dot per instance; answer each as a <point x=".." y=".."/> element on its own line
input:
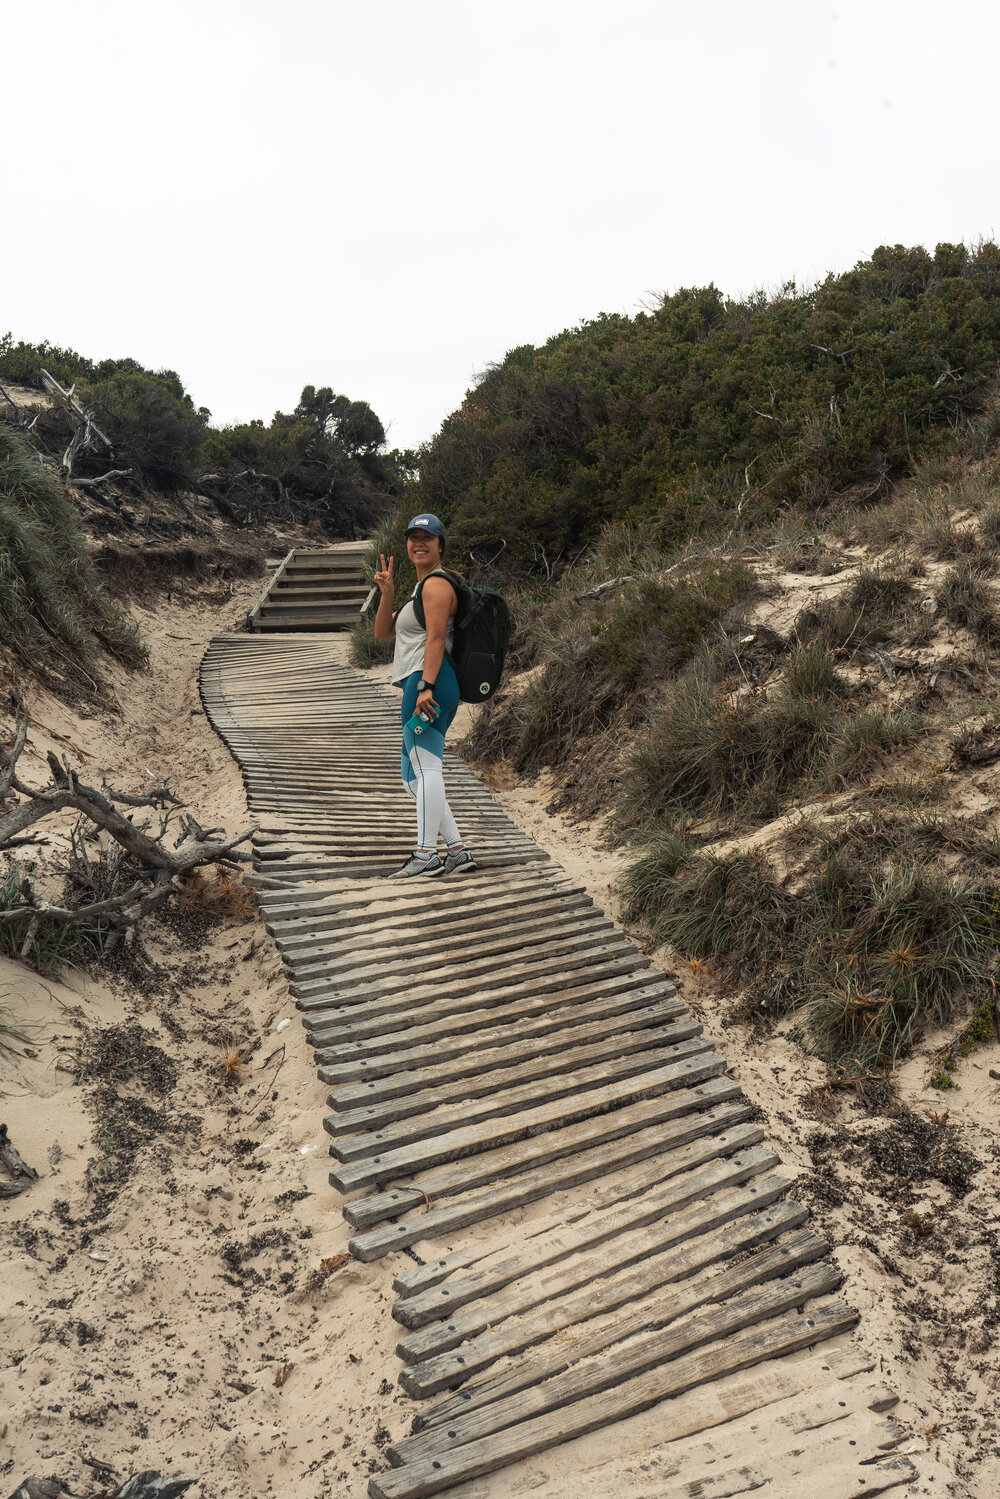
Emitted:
<point x="413" y="865"/>
<point x="460" y="863"/>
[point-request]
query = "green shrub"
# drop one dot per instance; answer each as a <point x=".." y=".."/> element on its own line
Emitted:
<point x="323" y="461"/>
<point x="54" y="611"/>
<point x="708" y="754"/>
<point x="657" y="625"/>
<point x="22" y="363"/>
<point x="151" y="420"/>
<point x="704" y="414"/>
<point x="731" y="910"/>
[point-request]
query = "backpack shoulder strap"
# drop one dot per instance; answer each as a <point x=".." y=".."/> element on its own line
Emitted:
<point x="418" y="607"/>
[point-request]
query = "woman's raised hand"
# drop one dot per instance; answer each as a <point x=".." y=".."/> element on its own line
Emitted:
<point x="383" y="575"/>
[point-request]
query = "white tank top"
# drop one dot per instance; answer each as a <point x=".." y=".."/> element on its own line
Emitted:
<point x="411" y="638"/>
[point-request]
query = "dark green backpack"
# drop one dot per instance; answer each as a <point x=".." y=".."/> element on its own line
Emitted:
<point x="482" y="635"/>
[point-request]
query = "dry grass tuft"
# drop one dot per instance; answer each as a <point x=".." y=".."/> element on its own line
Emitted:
<point x="219" y="894"/>
<point x="231" y="1064"/>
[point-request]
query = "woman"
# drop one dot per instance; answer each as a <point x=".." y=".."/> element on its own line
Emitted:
<point x="430" y="689"/>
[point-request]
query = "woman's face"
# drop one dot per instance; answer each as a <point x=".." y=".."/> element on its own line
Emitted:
<point x="423" y="548"/>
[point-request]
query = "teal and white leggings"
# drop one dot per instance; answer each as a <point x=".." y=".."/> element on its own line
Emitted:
<point x="421" y="761"/>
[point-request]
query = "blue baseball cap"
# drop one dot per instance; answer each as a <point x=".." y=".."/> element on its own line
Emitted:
<point x="428" y="523"/>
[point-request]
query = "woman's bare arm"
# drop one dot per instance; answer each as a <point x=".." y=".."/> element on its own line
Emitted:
<point x="438" y="598"/>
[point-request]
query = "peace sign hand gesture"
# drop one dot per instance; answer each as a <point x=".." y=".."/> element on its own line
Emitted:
<point x="383" y="576"/>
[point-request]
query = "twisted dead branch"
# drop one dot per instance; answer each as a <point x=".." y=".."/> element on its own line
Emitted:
<point x="87" y="436"/>
<point x="158" y="866"/>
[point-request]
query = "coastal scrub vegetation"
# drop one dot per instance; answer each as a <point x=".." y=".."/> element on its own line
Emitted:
<point x="704" y="412"/>
<point x="753" y="551"/>
<point x="869" y="929"/>
<point x="326" y="461"/>
<point x="54" y="610"/>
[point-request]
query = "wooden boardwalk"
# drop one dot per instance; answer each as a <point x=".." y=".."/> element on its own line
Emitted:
<point x="492" y="1042"/>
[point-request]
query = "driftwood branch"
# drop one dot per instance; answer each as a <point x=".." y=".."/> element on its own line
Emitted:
<point x="6" y="396"/>
<point x="11" y="759"/>
<point x="21" y="1173"/>
<point x="112" y="473"/>
<point x="148" y="1485"/>
<point x="889" y="663"/>
<point x="626" y="578"/>
<point x="158" y="865"/>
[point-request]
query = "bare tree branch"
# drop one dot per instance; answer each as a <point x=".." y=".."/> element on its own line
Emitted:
<point x="158" y="866"/>
<point x="86" y="433"/>
<point x="112" y="473"/>
<point x="16" y="750"/>
<point x="662" y="572"/>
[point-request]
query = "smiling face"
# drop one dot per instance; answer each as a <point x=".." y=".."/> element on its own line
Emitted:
<point x="425" y="551"/>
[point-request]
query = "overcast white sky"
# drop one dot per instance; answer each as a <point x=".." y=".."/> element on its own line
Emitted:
<point x="386" y="195"/>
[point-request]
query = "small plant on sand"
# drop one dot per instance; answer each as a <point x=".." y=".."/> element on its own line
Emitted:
<point x="968" y="600"/>
<point x="879" y="591"/>
<point x="231" y="1065"/>
<point x="867" y="736"/>
<point x="9" y="1033"/>
<point x="49" y="945"/>
<point x="364" y="650"/>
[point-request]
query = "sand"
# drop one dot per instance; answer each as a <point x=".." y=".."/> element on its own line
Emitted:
<point x="205" y="1325"/>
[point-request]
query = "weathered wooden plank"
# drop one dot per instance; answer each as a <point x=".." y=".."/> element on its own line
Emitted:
<point x="847" y="1479"/>
<point x="702" y="1203"/>
<point x="503" y="1101"/>
<point x="375" y="1104"/>
<point x="353" y="969"/>
<point x="823" y="1399"/>
<point x="626" y="1360"/>
<point x="445" y="934"/>
<point x="717" y="1133"/>
<point x="707" y="1136"/>
<point x="355" y="1020"/>
<point x="452" y="1029"/>
<point x="349" y="909"/>
<point x="548" y="960"/>
<point x="638" y="1297"/>
<point x="741" y="1351"/>
<point x="474" y="1138"/>
<point x="719" y="1485"/>
<point x="527" y="1155"/>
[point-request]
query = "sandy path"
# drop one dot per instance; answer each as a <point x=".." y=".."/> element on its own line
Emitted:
<point x="157" y="1335"/>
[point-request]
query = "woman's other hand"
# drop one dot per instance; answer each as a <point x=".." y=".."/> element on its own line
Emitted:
<point x="426" y="705"/>
<point x="383" y="575"/>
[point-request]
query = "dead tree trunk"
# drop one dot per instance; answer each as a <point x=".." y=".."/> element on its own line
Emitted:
<point x="87" y="435"/>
